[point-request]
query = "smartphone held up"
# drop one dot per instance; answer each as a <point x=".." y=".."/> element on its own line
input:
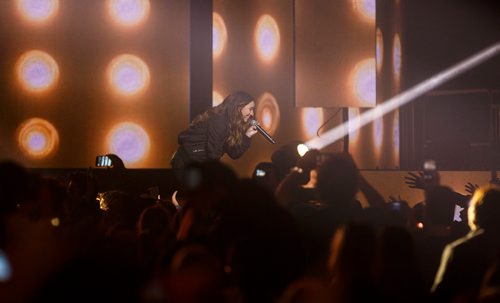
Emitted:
<point x="103" y="161"/>
<point x="430" y="169"/>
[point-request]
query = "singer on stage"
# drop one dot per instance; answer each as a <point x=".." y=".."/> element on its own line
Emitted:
<point x="222" y="129"/>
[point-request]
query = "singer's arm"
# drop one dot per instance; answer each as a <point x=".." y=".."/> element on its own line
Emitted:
<point x="237" y="151"/>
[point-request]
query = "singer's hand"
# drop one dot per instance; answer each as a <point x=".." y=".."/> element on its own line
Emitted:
<point x="252" y="130"/>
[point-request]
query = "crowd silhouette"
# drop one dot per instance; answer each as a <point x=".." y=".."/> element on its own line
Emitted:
<point x="292" y="232"/>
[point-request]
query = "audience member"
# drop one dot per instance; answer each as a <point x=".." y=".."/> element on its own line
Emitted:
<point x="465" y="261"/>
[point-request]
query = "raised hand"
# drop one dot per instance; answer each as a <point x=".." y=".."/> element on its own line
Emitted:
<point x="414" y="180"/>
<point x="470" y="188"/>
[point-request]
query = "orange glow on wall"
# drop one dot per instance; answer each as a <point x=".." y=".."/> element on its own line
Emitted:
<point x="379" y="49"/>
<point x="267" y="112"/>
<point x="353" y="125"/>
<point x="395" y="136"/>
<point x="363" y="81"/>
<point x="219" y="35"/>
<point x="37" y="11"/>
<point x="267" y="38"/>
<point x="37" y="71"/>
<point x="378" y="135"/>
<point x="37" y="138"/>
<point x="366" y="9"/>
<point x="312" y="119"/>
<point x="128" y="12"/>
<point x="396" y="58"/>
<point x="129" y="141"/>
<point x="128" y="75"/>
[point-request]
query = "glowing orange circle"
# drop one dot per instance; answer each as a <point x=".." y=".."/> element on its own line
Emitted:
<point x="312" y="119"/>
<point x="37" y="71"/>
<point x="363" y="81"/>
<point x="379" y="49"/>
<point x="267" y="112"/>
<point x="128" y="75"/>
<point x="395" y="136"/>
<point x="366" y="9"/>
<point x="37" y="11"/>
<point x="267" y="37"/>
<point x="128" y="12"/>
<point x="219" y="35"/>
<point x="396" y="57"/>
<point x="129" y="141"/>
<point x="37" y="138"/>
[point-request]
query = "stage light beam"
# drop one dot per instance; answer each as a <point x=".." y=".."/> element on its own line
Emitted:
<point x="405" y="97"/>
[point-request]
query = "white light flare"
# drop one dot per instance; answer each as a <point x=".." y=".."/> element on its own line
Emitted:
<point x="405" y="97"/>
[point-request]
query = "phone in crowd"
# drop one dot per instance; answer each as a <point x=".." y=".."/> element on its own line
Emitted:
<point x="396" y="206"/>
<point x="430" y="168"/>
<point x="103" y="161"/>
<point x="260" y="173"/>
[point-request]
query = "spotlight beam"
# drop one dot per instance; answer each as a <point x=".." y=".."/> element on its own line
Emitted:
<point x="403" y="98"/>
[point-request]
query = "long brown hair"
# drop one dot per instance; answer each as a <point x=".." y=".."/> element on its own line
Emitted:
<point x="231" y="107"/>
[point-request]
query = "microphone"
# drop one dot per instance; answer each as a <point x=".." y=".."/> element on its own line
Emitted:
<point x="262" y="131"/>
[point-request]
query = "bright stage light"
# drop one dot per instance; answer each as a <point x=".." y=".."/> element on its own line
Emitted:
<point x="128" y="75"/>
<point x="403" y="98"/>
<point x="379" y="49"/>
<point x="128" y="12"/>
<point x="268" y="112"/>
<point x="37" y="138"/>
<point x="366" y="9"/>
<point x="129" y="141"/>
<point x="37" y="71"/>
<point x="216" y="98"/>
<point x="302" y="149"/>
<point x="37" y="11"/>
<point x="312" y="119"/>
<point x="219" y="35"/>
<point x="267" y="37"/>
<point x="363" y="81"/>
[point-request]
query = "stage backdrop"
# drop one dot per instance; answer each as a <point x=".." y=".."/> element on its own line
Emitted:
<point x="83" y="78"/>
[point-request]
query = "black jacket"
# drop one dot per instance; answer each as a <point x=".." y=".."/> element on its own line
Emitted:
<point x="206" y="140"/>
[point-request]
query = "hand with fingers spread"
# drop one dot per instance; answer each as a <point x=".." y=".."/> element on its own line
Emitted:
<point x="414" y="180"/>
<point x="470" y="188"/>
